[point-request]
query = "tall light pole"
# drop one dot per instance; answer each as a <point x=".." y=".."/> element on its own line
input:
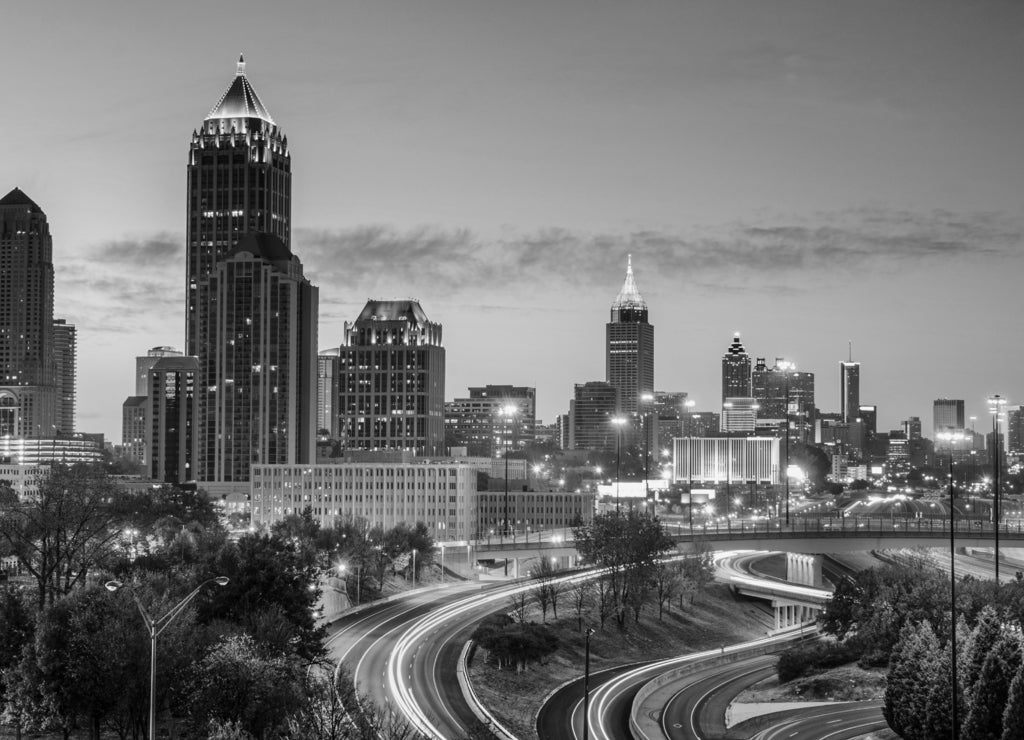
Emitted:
<point x="690" y="403"/>
<point x="618" y="421"/>
<point x="586" y="686"/>
<point x="647" y="399"/>
<point x="995" y="407"/>
<point x="952" y="438"/>
<point x="786" y="368"/>
<point x="155" y="627"/>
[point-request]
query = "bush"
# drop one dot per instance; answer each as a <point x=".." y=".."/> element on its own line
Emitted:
<point x="512" y="644"/>
<point x="798" y="661"/>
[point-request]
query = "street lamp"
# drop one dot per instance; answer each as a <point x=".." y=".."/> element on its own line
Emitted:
<point x="995" y="407"/>
<point x="648" y="399"/>
<point x="586" y="686"/>
<point x="359" y="569"/>
<point x="618" y="421"/>
<point x="952" y="438"/>
<point x="155" y="627"/>
<point x="414" y="567"/>
<point x="786" y="368"/>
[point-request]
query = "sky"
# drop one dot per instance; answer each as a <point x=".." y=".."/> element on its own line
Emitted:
<point x="807" y="173"/>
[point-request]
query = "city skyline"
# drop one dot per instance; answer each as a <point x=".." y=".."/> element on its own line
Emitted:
<point x="800" y="173"/>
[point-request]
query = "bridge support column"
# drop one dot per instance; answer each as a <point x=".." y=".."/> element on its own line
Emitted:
<point x="804" y="569"/>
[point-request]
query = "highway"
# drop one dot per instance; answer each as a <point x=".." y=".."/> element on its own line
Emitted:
<point x="845" y="721"/>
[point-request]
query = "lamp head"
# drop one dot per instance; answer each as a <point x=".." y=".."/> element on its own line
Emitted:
<point x="221" y="580"/>
<point x="112" y="585"/>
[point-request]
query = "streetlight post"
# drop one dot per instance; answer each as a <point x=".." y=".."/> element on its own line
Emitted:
<point x="507" y="412"/>
<point x="995" y="404"/>
<point x="690" y="403"/>
<point x="155" y="627"/>
<point x="648" y="399"/>
<point x="618" y="421"/>
<point x="787" y="367"/>
<point x="952" y="438"/>
<point x="586" y="686"/>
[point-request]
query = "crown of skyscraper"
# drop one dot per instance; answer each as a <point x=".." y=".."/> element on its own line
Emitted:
<point x="629" y="296"/>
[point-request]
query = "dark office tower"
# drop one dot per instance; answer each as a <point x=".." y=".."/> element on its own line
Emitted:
<point x="912" y="428"/>
<point x="65" y="344"/>
<point x="629" y="340"/>
<point x="849" y="390"/>
<point x="173" y="409"/>
<point x="592" y="409"/>
<point x="784" y="393"/>
<point x="759" y="382"/>
<point x="260" y="320"/>
<point x="736" y="371"/>
<point x="145" y="363"/>
<point x="239" y="180"/>
<point x="28" y="391"/>
<point x="947" y="415"/>
<point x="868" y="415"/>
<point x="391" y="380"/>
<point x="135" y="428"/>
<point x="1015" y="430"/>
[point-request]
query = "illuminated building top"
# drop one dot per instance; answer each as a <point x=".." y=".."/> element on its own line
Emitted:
<point x="240" y="100"/>
<point x="629" y="297"/>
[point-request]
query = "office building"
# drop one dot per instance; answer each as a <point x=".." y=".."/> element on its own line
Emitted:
<point x="145" y="363"/>
<point x="259" y="329"/>
<point x="173" y="411"/>
<point x="849" y="389"/>
<point x="65" y="352"/>
<point x="1015" y="430"/>
<point x="67" y="449"/>
<point x="593" y="407"/>
<point x="383" y="492"/>
<point x="912" y="428"/>
<point x="739" y="415"/>
<point x="24" y="480"/>
<point x="239" y="181"/>
<point x="727" y="460"/>
<point x="28" y="390"/>
<point x="531" y="513"/>
<point x="787" y="396"/>
<point x="135" y="428"/>
<point x="736" y="371"/>
<point x="327" y="393"/>
<point x="700" y="424"/>
<point x="629" y="343"/>
<point x="482" y="424"/>
<point x="947" y="416"/>
<point x="391" y="370"/>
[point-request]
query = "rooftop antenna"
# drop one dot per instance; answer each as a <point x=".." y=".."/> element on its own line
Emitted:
<point x="851" y="350"/>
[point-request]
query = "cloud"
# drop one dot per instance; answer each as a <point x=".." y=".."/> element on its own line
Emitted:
<point x="159" y="250"/>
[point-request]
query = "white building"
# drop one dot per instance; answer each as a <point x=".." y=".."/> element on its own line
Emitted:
<point x="24" y="479"/>
<point x="441" y="493"/>
<point x="724" y="459"/>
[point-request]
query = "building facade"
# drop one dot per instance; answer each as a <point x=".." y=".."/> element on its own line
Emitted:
<point x="727" y="459"/>
<point x="493" y="420"/>
<point x="593" y="407"/>
<point x="736" y="371"/>
<point x="29" y="395"/>
<point x="438" y="492"/>
<point x="172" y="408"/>
<point x="258" y="325"/>
<point x="849" y="390"/>
<point x="327" y="393"/>
<point x="629" y="346"/>
<point x="532" y="512"/>
<point x="135" y="428"/>
<point x="391" y="380"/>
<point x="947" y="416"/>
<point x="65" y="353"/>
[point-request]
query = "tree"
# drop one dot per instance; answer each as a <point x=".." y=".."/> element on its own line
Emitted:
<point x="984" y="719"/>
<point x="666" y="583"/>
<point x="237" y="683"/>
<point x="912" y="672"/>
<point x="548" y="588"/>
<point x="61" y="534"/>
<point x="581" y="593"/>
<point x="981" y="640"/>
<point x="516" y="644"/>
<point x="628" y="548"/>
<point x="1013" y="715"/>
<point x="698" y="569"/>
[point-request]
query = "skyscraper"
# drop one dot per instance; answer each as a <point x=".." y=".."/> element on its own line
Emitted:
<point x="391" y="380"/>
<point x="145" y="363"/>
<point x="849" y="390"/>
<point x="65" y="352"/>
<point x="239" y="180"/>
<point x="629" y="342"/>
<point x="327" y="393"/>
<point x="260" y="320"/>
<point x="173" y="407"/>
<point x="592" y="409"/>
<point x="735" y="371"/>
<point x="28" y="392"/>
<point x="947" y="415"/>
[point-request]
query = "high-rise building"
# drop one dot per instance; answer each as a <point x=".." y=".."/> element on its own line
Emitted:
<point x="912" y="428"/>
<point x="65" y="352"/>
<point x="739" y="415"/>
<point x="239" y="180"/>
<point x="135" y="428"/>
<point x="629" y="343"/>
<point x="391" y="380"/>
<point x="593" y="407"/>
<point x="173" y="408"/>
<point x="479" y="423"/>
<point x="736" y="371"/>
<point x="1015" y="430"/>
<point x="28" y="390"/>
<point x="145" y="363"/>
<point x="783" y="393"/>
<point x="947" y="415"/>
<point x="260" y="320"/>
<point x="849" y="390"/>
<point x="327" y="393"/>
<point x="868" y="415"/>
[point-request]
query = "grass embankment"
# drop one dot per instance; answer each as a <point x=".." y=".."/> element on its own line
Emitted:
<point x="718" y="617"/>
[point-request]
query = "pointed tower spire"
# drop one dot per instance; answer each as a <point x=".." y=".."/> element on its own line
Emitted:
<point x="629" y="297"/>
<point x="240" y="70"/>
<point x="240" y="100"/>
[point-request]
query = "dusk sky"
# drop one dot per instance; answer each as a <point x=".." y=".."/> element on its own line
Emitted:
<point x="806" y="173"/>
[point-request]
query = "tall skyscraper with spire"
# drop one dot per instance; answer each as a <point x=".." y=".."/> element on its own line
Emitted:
<point x="629" y="342"/>
<point x="250" y="313"/>
<point x="29" y="396"/>
<point x="735" y="371"/>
